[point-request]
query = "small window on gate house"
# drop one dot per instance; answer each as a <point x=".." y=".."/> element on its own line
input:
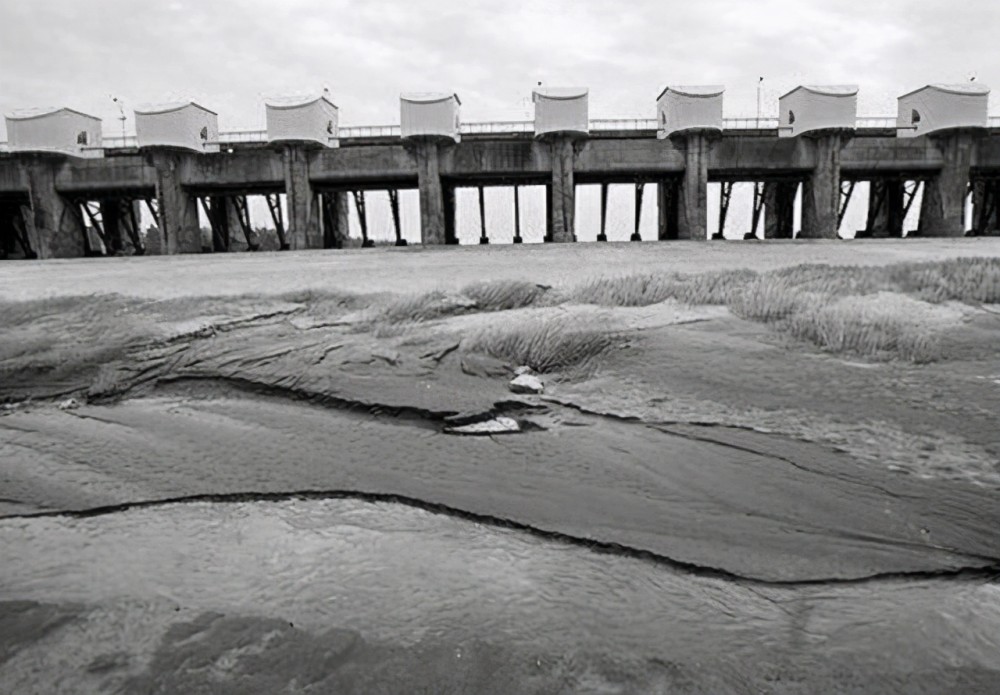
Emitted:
<point x="81" y="138"/>
<point x="791" y="117"/>
<point x="915" y="117"/>
<point x="204" y="133"/>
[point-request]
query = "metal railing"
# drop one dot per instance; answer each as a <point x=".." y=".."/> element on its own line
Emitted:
<point x="236" y="137"/>
<point x="119" y="142"/>
<point x="368" y="131"/>
<point x="597" y="125"/>
<point x="616" y="124"/>
<point x="750" y="123"/>
<point x="876" y="122"/>
<point x="497" y="127"/>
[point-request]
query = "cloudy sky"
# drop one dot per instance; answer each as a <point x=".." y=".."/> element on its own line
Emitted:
<point x="229" y="55"/>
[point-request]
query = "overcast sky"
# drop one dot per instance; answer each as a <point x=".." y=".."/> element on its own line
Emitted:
<point x="229" y="55"/>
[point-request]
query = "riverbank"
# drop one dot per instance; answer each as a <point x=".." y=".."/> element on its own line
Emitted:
<point x="706" y="409"/>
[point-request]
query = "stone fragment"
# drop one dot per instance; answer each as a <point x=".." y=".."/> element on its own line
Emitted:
<point x="526" y="383"/>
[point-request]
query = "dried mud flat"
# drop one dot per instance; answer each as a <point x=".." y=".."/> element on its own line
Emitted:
<point x="259" y="494"/>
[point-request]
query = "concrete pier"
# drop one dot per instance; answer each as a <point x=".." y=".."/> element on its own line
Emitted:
<point x="692" y="204"/>
<point x="666" y="210"/>
<point x="821" y="190"/>
<point x="336" y="219"/>
<point x="13" y="236"/>
<point x="887" y="221"/>
<point x="562" y="207"/>
<point x="942" y="209"/>
<point x="302" y="202"/>
<point x="54" y="229"/>
<point x="779" y="209"/>
<point x="111" y="218"/>
<point x="432" y="203"/>
<point x="178" y="209"/>
<point x="222" y="223"/>
<point x="986" y="207"/>
<point x="450" y="231"/>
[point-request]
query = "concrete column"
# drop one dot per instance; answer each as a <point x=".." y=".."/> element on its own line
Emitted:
<point x="10" y="234"/>
<point x="450" y="232"/>
<point x="986" y="207"/>
<point x="548" y="213"/>
<point x="942" y="209"/>
<point x="779" y="209"/>
<point x="337" y="223"/>
<point x="178" y="210"/>
<point x="111" y="218"/>
<point x="222" y="223"/>
<point x="129" y="217"/>
<point x="888" y="221"/>
<point x="563" y="207"/>
<point x="821" y="191"/>
<point x="237" y="236"/>
<point x="302" y="202"/>
<point x="692" y="203"/>
<point x="54" y="229"/>
<point x="432" y="203"/>
<point x="991" y="222"/>
<point x="666" y="207"/>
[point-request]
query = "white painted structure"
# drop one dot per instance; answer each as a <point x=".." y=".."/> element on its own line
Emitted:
<point x="561" y="110"/>
<point x="182" y="124"/>
<point x="941" y="106"/>
<point x="56" y="130"/>
<point x="433" y="114"/>
<point x="806" y="109"/>
<point x="302" y="119"/>
<point x="688" y="108"/>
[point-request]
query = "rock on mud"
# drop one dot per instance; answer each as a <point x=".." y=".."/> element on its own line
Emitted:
<point x="498" y="425"/>
<point x="526" y="383"/>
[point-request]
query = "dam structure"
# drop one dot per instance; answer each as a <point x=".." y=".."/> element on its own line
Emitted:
<point x="68" y="191"/>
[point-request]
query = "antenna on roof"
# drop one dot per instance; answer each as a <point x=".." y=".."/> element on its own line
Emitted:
<point x="121" y="111"/>
<point x="759" y="80"/>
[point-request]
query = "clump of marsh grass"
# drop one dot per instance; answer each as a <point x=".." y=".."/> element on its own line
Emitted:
<point x="959" y="279"/>
<point x="504" y="295"/>
<point x="768" y="298"/>
<point x="869" y="311"/>
<point x="544" y="345"/>
<point x="834" y="280"/>
<point x="410" y="308"/>
<point x="647" y="289"/>
<point x="882" y="325"/>
<point x="487" y="296"/>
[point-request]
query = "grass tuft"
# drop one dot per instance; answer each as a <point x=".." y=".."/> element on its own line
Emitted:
<point x="545" y="346"/>
<point x="647" y="289"/>
<point x="871" y="326"/>
<point x="504" y="295"/>
<point x="972" y="280"/>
